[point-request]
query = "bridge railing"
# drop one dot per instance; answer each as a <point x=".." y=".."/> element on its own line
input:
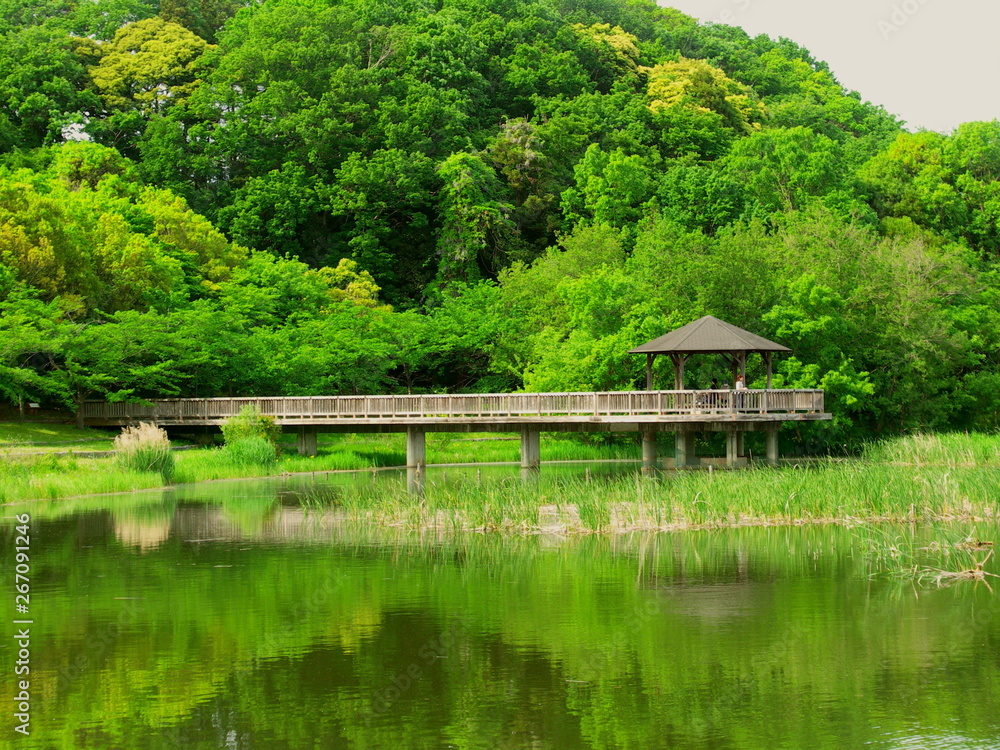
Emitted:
<point x="466" y="405"/>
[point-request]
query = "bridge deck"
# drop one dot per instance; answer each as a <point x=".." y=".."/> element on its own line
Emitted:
<point x="467" y="412"/>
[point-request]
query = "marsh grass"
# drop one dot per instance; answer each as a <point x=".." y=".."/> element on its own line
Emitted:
<point x="849" y="493"/>
<point x="910" y="479"/>
<point x="144" y="448"/>
<point x="943" y="449"/>
<point x="250" y="451"/>
<point x="938" y="555"/>
<point x="51" y="477"/>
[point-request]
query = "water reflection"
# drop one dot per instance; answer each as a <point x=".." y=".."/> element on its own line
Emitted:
<point x="229" y="616"/>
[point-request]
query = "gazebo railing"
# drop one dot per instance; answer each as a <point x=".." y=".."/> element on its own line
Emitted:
<point x="467" y="405"/>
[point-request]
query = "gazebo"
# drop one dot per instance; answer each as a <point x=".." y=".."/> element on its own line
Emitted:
<point x="708" y="335"/>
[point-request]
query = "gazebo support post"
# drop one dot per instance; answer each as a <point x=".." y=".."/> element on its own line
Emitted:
<point x="767" y="366"/>
<point x="649" y="371"/>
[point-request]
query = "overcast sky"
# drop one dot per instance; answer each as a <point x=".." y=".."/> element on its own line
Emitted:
<point x="933" y="63"/>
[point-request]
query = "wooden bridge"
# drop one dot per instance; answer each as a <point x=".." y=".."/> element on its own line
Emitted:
<point x="684" y="412"/>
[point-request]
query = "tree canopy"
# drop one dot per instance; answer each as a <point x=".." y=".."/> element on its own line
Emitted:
<point x="313" y="196"/>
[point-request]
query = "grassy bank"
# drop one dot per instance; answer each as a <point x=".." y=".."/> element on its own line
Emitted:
<point x="39" y="474"/>
<point x="341" y="453"/>
<point x="50" y="477"/>
<point x="925" y="477"/>
<point x="38" y="437"/>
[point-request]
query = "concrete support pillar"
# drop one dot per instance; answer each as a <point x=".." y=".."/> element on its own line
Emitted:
<point x="648" y="451"/>
<point x="771" y="437"/>
<point x="684" y="449"/>
<point x="416" y="460"/>
<point x="741" y="449"/>
<point x="531" y="453"/>
<point x="307" y="441"/>
<point x="732" y="442"/>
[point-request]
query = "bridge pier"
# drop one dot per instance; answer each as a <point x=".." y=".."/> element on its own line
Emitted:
<point x="531" y="452"/>
<point x="732" y="448"/>
<point x="648" y="451"/>
<point x="308" y="439"/>
<point x="683" y="449"/>
<point x="771" y="440"/>
<point x="416" y="460"/>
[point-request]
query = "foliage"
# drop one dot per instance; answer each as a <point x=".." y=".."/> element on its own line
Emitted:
<point x="249" y="451"/>
<point x="305" y="197"/>
<point x="702" y="89"/>
<point x="250" y="423"/>
<point x="145" y="447"/>
<point x="251" y="438"/>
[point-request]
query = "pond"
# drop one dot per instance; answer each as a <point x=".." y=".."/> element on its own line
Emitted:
<point x="230" y="615"/>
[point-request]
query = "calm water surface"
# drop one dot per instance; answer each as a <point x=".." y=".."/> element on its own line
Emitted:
<point x="227" y="616"/>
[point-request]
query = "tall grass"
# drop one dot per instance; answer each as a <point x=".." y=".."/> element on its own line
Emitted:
<point x="250" y="440"/>
<point x="918" y="478"/>
<point x="829" y="492"/>
<point x="944" y="449"/>
<point x="144" y="448"/>
<point x="250" y="451"/>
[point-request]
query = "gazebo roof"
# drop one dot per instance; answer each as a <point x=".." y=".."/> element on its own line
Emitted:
<point x="708" y="335"/>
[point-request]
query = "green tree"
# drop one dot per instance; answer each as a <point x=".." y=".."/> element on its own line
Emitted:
<point x="477" y="230"/>
<point x="783" y="168"/>
<point x="612" y="189"/>
<point x="147" y="68"/>
<point x="697" y="87"/>
<point x="44" y="87"/>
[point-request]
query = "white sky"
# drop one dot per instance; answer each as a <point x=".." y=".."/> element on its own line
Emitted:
<point x="933" y="63"/>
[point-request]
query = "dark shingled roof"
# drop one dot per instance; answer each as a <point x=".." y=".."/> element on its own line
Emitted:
<point x="709" y="335"/>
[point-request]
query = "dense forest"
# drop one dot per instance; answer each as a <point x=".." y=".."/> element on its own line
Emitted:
<point x="201" y="198"/>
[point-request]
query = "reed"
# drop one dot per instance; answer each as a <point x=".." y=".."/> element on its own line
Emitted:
<point x="842" y="492"/>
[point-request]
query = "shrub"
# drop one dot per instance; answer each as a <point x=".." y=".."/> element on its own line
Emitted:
<point x="145" y="448"/>
<point x="250" y="451"/>
<point x="250" y="423"/>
